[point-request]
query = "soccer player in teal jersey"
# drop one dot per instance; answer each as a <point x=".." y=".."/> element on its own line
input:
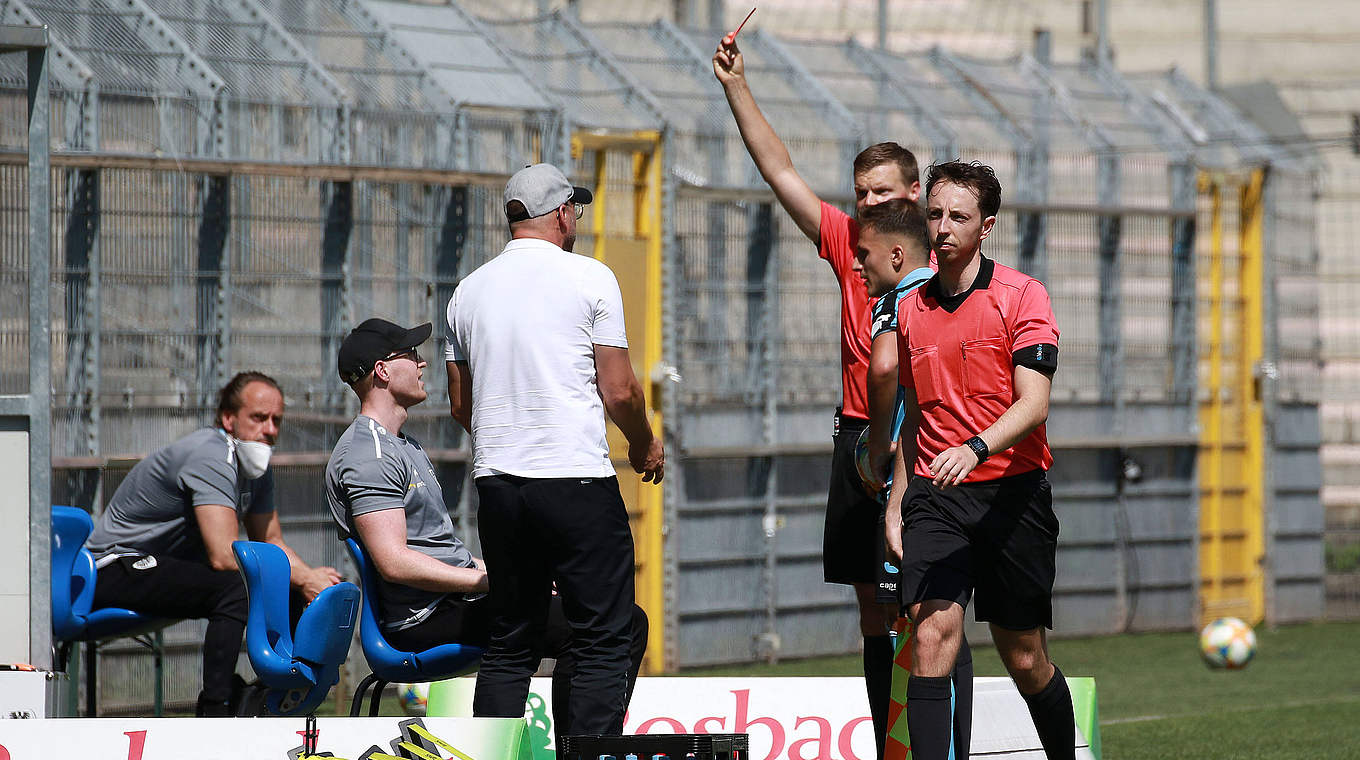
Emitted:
<point x="892" y="256"/>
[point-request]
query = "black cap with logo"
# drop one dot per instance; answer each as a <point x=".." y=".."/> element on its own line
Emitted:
<point x="371" y="342"/>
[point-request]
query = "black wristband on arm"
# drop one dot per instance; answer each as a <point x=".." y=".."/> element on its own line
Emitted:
<point x="1041" y="357"/>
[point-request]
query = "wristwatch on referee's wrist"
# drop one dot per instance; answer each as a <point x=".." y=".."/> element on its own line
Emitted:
<point x="979" y="447"/>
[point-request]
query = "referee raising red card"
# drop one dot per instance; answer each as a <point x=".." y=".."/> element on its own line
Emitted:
<point x="852" y="541"/>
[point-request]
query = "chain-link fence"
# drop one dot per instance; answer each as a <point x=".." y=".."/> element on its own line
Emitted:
<point x="1339" y="283"/>
<point x="1327" y="112"/>
<point x="363" y="147"/>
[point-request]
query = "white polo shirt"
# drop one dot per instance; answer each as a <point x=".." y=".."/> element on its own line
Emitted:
<point x="527" y="323"/>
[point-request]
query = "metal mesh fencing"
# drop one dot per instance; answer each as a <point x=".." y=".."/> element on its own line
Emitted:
<point x="14" y="279"/>
<point x="758" y="346"/>
<point x="590" y="88"/>
<point x="286" y="306"/>
<point x="992" y="25"/>
<point x="1326" y="110"/>
<point x="882" y="109"/>
<point x="724" y="292"/>
<point x="356" y="52"/>
<point x="283" y="107"/>
<point x="148" y="390"/>
<point x="168" y="279"/>
<point x="106" y="36"/>
<point x="1338" y="284"/>
<point x="157" y="96"/>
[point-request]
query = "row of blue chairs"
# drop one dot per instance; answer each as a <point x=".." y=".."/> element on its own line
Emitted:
<point x="297" y="665"/>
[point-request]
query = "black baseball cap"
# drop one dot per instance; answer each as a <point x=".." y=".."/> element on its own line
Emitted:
<point x="371" y="342"/>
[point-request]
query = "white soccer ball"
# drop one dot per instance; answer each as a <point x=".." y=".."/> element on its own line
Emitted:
<point x="1227" y="643"/>
<point x="413" y="698"/>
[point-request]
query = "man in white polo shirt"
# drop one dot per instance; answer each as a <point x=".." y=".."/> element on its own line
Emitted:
<point x="537" y="354"/>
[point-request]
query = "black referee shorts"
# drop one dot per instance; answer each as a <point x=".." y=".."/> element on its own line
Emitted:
<point x="995" y="541"/>
<point x="852" y="541"/>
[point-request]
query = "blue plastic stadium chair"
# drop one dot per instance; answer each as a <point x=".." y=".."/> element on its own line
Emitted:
<point x="389" y="664"/>
<point x="73" y="617"/>
<point x="300" y="666"/>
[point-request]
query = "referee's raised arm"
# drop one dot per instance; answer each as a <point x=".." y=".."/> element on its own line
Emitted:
<point x="767" y="150"/>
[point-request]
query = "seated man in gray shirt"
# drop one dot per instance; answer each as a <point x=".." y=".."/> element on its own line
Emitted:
<point x="162" y="546"/>
<point x="383" y="492"/>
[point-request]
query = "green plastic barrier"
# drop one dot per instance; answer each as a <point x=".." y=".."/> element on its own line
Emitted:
<point x="1086" y="710"/>
<point x="453" y="699"/>
<point x="511" y="735"/>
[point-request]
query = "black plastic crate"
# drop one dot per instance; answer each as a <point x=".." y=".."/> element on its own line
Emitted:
<point x="645" y="746"/>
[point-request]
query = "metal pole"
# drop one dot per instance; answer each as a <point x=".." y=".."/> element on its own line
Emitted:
<point x="770" y="644"/>
<point x="212" y="291"/>
<point x="158" y="658"/>
<point x="1250" y="357"/>
<point x="1033" y="253"/>
<point x="1184" y="358"/>
<point x="674" y="494"/>
<point x="91" y="679"/>
<point x="1103" y="30"/>
<point x="338" y="199"/>
<point x="39" y="360"/>
<point x="1211" y="44"/>
<point x="882" y="24"/>
<point x="1111" y="344"/>
<point x="1267" y="379"/>
<point x="715" y="16"/>
<point x="83" y="306"/>
<point x="1211" y="438"/>
<point x="683" y="14"/>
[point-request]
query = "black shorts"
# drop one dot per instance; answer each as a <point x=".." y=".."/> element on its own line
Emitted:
<point x="999" y="537"/>
<point x="852" y="541"/>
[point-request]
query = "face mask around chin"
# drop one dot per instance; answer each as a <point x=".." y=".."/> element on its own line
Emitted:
<point x="253" y="457"/>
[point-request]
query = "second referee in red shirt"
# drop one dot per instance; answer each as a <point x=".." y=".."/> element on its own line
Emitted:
<point x="977" y="348"/>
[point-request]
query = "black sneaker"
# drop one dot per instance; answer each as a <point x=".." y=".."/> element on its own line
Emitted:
<point x="212" y="709"/>
<point x="247" y="698"/>
<point x="238" y="689"/>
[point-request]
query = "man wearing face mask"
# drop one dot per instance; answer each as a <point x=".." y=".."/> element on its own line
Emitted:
<point x="162" y="546"/>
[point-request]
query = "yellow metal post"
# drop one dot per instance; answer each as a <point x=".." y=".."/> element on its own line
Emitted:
<point x="1232" y="417"/>
<point x="1211" y="425"/>
<point x="647" y="180"/>
<point x="1251" y="228"/>
<point x="625" y="221"/>
<point x="597" y="209"/>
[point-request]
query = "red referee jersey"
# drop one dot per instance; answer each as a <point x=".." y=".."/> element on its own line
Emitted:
<point x="961" y="365"/>
<point x="840" y="235"/>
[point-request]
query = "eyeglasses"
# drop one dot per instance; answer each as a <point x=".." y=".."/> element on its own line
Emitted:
<point x="411" y="352"/>
<point x="580" y="209"/>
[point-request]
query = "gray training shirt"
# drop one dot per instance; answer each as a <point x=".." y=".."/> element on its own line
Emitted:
<point x="152" y="512"/>
<point x="371" y="470"/>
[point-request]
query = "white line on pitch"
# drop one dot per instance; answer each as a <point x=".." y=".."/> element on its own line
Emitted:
<point x="1245" y="708"/>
